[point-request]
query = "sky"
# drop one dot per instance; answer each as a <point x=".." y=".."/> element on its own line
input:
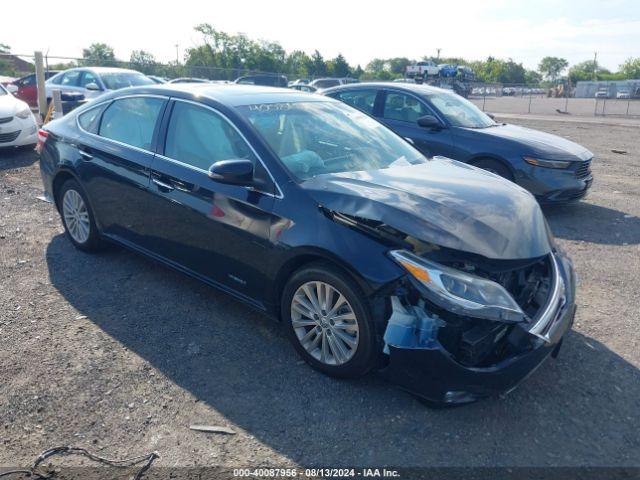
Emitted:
<point x="361" y="30"/>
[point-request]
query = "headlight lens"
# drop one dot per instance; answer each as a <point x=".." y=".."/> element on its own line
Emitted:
<point x="460" y="292"/>
<point x="547" y="163"/>
<point x="24" y="113"/>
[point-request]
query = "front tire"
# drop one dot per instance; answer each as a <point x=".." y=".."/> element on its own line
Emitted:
<point x="328" y="321"/>
<point x="77" y="218"/>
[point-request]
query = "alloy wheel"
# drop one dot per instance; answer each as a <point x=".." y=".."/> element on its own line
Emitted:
<point x="325" y="323"/>
<point x="76" y="216"/>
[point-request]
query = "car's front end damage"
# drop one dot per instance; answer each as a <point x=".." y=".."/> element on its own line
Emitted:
<point x="452" y="343"/>
<point x="485" y="295"/>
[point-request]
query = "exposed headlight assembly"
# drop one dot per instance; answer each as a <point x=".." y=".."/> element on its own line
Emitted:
<point x="24" y="113"/>
<point x="460" y="292"/>
<point x="538" y="162"/>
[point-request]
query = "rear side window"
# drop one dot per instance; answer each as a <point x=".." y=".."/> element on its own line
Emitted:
<point x="363" y="100"/>
<point x="200" y="137"/>
<point x="90" y="120"/>
<point x="131" y="121"/>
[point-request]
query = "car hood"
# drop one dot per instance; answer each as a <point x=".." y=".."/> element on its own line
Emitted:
<point x="443" y="202"/>
<point x="10" y="105"/>
<point x="544" y="145"/>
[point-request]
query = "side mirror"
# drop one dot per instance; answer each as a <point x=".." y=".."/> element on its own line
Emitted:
<point x="12" y="88"/>
<point x="234" y="172"/>
<point x="429" y="121"/>
<point x="93" y="86"/>
<point x="490" y="115"/>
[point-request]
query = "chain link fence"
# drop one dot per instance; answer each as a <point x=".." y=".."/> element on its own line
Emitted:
<point x="619" y="98"/>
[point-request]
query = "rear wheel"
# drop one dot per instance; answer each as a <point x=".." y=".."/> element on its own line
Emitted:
<point x="328" y="320"/>
<point x="77" y="217"/>
<point x="495" y="167"/>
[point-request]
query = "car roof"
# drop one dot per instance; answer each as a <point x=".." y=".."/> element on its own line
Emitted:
<point x="231" y="94"/>
<point x="415" y="88"/>
<point x="100" y="70"/>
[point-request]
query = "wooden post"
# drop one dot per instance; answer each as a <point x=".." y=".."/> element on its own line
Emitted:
<point x="42" y="95"/>
<point x="57" y="104"/>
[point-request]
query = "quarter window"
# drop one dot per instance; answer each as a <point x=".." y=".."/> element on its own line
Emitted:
<point x="200" y="137"/>
<point x="398" y="106"/>
<point x="90" y="120"/>
<point x="131" y="121"/>
<point x="363" y="100"/>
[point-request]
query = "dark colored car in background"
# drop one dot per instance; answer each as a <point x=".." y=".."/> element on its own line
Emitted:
<point x="28" y="88"/>
<point x="443" y="276"/>
<point x="265" y="80"/>
<point x="439" y="122"/>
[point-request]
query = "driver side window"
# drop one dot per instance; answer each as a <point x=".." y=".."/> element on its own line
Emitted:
<point x="200" y="137"/>
<point x="398" y="106"/>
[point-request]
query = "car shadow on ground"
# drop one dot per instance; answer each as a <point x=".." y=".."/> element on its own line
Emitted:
<point x="592" y="223"/>
<point x="576" y="410"/>
<point x="17" y="157"/>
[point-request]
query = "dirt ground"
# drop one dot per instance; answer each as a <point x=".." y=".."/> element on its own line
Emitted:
<point x="118" y="354"/>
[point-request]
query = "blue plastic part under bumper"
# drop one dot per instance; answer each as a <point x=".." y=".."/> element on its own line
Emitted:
<point x="434" y="375"/>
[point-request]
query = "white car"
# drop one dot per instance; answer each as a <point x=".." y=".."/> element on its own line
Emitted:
<point x="623" y="94"/>
<point x="17" y="124"/>
<point x="94" y="81"/>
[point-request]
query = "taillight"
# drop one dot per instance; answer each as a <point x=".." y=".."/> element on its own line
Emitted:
<point x="42" y="138"/>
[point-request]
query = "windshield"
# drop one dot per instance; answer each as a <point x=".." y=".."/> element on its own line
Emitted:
<point x="116" y="81"/>
<point x="315" y="138"/>
<point x="459" y="111"/>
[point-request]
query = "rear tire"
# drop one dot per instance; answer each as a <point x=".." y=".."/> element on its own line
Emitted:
<point x="332" y="331"/>
<point x="494" y="166"/>
<point x="77" y="218"/>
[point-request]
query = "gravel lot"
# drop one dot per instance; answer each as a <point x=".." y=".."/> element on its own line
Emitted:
<point x="116" y="353"/>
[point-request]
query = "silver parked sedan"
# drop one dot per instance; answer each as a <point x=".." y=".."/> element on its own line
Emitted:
<point x="94" y="81"/>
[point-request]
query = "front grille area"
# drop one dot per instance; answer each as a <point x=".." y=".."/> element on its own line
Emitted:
<point x="9" y="137"/>
<point x="5" y="119"/>
<point x="584" y="169"/>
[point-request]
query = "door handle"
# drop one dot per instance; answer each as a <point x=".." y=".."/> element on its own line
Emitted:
<point x="162" y="185"/>
<point x="85" y="155"/>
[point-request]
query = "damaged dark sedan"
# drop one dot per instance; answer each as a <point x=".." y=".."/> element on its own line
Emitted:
<point x="442" y="276"/>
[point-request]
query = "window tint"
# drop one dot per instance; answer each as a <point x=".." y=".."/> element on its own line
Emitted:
<point x="88" y="78"/>
<point x="360" y="99"/>
<point x="398" y="106"/>
<point x="118" y="80"/>
<point x="131" y="121"/>
<point x="27" y="81"/>
<point x="90" y="120"/>
<point x="56" y="79"/>
<point x="71" y="78"/>
<point x="200" y="137"/>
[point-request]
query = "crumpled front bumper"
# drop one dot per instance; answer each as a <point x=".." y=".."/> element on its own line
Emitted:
<point x="433" y="374"/>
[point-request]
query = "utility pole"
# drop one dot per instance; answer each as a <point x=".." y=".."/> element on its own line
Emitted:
<point x="438" y="50"/>
<point x="177" y="54"/>
<point x="594" y="77"/>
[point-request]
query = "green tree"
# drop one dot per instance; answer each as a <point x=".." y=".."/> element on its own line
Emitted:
<point x="339" y="67"/>
<point x="588" y="70"/>
<point x="499" y="71"/>
<point x="552" y="67"/>
<point x="630" y="69"/>
<point x="98" y="54"/>
<point x="142" y="61"/>
<point x="531" y="77"/>
<point x="6" y="67"/>
<point x="316" y="66"/>
<point x="297" y="62"/>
